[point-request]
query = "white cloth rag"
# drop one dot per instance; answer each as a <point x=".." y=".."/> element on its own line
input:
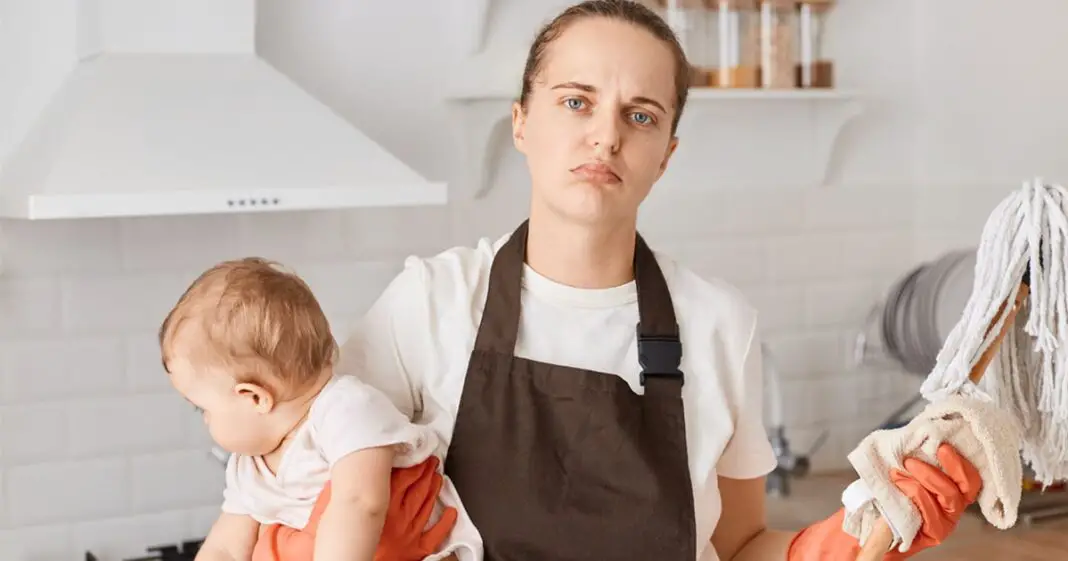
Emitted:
<point x="990" y="438"/>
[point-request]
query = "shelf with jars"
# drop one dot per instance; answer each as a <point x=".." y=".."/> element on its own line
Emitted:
<point x="759" y="74"/>
<point x="752" y="44"/>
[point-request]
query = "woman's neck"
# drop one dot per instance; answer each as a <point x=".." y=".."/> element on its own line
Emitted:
<point x="581" y="255"/>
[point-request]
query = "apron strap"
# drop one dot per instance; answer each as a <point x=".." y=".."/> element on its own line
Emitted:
<point x="659" y="346"/>
<point x="499" y="328"/>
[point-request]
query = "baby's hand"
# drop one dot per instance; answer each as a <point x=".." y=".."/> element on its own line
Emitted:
<point x="231" y="538"/>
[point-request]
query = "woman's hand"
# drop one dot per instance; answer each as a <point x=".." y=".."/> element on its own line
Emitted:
<point x="941" y="496"/>
<point x="413" y="494"/>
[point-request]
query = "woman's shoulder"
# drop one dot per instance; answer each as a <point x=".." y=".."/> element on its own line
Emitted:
<point x="708" y="295"/>
<point x="461" y="267"/>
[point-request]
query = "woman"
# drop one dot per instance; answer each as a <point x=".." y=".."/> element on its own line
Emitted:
<point x="599" y="401"/>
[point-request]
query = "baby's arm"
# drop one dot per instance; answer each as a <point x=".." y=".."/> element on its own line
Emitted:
<point x="351" y="525"/>
<point x="232" y="538"/>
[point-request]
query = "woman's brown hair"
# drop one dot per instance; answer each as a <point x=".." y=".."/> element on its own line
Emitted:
<point x="623" y="10"/>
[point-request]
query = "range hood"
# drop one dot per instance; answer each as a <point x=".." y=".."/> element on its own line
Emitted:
<point x="167" y="109"/>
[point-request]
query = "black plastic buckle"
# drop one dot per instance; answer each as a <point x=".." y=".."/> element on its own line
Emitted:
<point x="659" y="356"/>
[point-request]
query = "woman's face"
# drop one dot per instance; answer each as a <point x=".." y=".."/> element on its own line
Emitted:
<point x="597" y="128"/>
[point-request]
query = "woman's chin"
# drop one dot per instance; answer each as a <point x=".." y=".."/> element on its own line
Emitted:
<point x="591" y="203"/>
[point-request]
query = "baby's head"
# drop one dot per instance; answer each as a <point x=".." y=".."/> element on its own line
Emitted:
<point x="249" y="346"/>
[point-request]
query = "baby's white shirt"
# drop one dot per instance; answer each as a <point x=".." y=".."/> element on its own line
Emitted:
<point x="347" y="416"/>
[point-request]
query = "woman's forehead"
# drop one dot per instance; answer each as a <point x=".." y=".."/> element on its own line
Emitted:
<point x="609" y="54"/>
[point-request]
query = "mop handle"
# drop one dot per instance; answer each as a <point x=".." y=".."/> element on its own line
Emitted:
<point x="882" y="536"/>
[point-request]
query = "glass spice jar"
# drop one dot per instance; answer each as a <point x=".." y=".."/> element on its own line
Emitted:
<point x="738" y="30"/>
<point x="691" y="20"/>
<point x="778" y="44"/>
<point x="814" y="69"/>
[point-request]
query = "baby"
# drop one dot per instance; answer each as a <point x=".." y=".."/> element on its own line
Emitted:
<point x="312" y="452"/>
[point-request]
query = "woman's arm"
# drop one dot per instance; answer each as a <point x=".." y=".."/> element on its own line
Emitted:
<point x="742" y="533"/>
<point x="941" y="496"/>
<point x="384" y="347"/>
<point x="396" y="345"/>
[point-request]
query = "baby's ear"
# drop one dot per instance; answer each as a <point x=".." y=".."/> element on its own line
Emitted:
<point x="257" y="396"/>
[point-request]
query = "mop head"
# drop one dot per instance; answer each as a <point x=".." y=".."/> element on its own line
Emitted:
<point x="1026" y="233"/>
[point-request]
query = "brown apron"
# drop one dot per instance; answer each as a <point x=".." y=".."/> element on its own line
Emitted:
<point x="554" y="463"/>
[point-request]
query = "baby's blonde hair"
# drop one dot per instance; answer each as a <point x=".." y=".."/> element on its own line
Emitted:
<point x="258" y="320"/>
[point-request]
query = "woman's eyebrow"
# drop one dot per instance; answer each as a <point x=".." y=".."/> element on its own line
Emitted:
<point x="588" y="88"/>
<point x="574" y="86"/>
<point x="649" y="101"/>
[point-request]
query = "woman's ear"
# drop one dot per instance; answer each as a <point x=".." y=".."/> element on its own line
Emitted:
<point x="259" y="397"/>
<point x="519" y="123"/>
<point x="667" y="156"/>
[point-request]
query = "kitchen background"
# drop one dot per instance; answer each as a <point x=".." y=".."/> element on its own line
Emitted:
<point x="957" y="102"/>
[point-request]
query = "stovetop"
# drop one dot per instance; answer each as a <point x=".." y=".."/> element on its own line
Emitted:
<point x="184" y="551"/>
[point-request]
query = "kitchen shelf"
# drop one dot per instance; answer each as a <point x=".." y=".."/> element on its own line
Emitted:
<point x="782" y="136"/>
<point x="713" y="94"/>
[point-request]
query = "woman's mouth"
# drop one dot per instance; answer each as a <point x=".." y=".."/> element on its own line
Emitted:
<point x="597" y="173"/>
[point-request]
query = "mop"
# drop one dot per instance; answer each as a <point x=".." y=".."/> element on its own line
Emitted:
<point x="1018" y="411"/>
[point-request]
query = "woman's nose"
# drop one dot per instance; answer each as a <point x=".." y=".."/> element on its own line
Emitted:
<point x="605" y="131"/>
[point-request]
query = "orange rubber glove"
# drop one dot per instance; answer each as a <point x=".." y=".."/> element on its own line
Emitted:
<point x="941" y="496"/>
<point x="413" y="492"/>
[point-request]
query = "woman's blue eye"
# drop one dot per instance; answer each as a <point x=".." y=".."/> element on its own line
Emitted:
<point x="642" y="118"/>
<point x="573" y="103"/>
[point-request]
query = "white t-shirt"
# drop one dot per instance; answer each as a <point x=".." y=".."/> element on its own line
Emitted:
<point x="415" y="341"/>
<point x="346" y="416"/>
